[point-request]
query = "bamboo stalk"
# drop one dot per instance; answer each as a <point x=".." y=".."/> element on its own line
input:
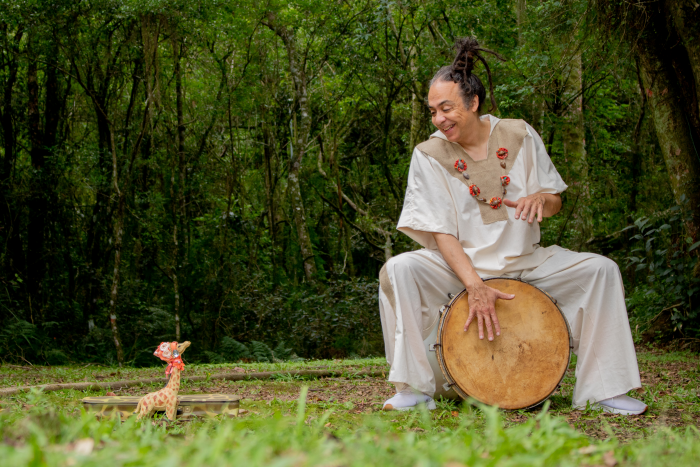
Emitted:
<point x="219" y="376"/>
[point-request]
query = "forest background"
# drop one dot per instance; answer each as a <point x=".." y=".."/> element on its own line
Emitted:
<point x="231" y="173"/>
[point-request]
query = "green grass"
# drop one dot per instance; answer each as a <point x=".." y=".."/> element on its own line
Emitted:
<point x="337" y="422"/>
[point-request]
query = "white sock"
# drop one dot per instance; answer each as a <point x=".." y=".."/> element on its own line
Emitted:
<point x="407" y="399"/>
<point x="623" y="404"/>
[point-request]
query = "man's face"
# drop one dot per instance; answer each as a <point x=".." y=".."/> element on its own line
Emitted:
<point x="449" y="113"/>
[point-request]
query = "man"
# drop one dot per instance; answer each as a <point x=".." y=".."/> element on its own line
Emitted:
<point x="455" y="208"/>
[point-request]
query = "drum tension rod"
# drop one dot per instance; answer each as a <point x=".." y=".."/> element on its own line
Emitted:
<point x="450" y="295"/>
<point x="448" y="386"/>
<point x="432" y="347"/>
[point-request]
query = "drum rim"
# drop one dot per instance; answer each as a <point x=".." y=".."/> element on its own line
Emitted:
<point x="444" y="311"/>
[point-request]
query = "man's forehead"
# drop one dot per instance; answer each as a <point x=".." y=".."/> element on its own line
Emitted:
<point x="441" y="93"/>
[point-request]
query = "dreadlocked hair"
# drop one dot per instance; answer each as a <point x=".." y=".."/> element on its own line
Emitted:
<point x="461" y="72"/>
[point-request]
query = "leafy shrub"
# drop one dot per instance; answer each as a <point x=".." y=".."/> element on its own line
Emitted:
<point x="282" y="353"/>
<point x="664" y="253"/>
<point x="20" y="341"/>
<point x="230" y="350"/>
<point x="262" y="352"/>
<point x="56" y="357"/>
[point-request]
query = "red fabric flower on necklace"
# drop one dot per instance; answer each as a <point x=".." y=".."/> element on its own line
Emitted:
<point x="505" y="180"/>
<point x="502" y="153"/>
<point x="474" y="190"/>
<point x="495" y="202"/>
<point x="460" y="165"/>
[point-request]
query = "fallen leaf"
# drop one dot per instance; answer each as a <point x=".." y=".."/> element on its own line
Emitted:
<point x="239" y="370"/>
<point x="110" y="393"/>
<point x="455" y="413"/>
<point x="609" y="459"/>
<point x="587" y="449"/>
<point x="82" y="447"/>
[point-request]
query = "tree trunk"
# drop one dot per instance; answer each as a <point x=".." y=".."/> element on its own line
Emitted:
<point x="14" y="251"/>
<point x="686" y="18"/>
<point x="668" y="79"/>
<point x="573" y="139"/>
<point x="36" y="204"/>
<point x="177" y="195"/>
<point x="417" y="121"/>
<point x="636" y="156"/>
<point x="418" y="116"/>
<point x="118" y="232"/>
<point x="42" y="199"/>
<point x="300" y="137"/>
<point x="520" y="11"/>
<point x="269" y="153"/>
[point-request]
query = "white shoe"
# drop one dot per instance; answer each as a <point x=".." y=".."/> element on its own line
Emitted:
<point x="408" y="399"/>
<point x="623" y="405"/>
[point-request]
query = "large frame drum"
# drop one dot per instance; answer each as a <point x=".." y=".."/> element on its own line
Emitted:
<point x="520" y="368"/>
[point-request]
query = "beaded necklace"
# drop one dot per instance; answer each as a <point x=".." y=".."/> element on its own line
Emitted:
<point x="495" y="202"/>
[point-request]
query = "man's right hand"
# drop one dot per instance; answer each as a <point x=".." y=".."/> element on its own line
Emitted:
<point x="482" y="298"/>
<point x="482" y="305"/>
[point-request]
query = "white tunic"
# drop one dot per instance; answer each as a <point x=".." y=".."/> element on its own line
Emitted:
<point x="438" y="202"/>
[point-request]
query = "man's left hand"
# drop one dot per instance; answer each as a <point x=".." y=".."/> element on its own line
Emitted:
<point x="535" y="206"/>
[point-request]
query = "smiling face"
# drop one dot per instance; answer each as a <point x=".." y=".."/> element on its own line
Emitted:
<point x="449" y="113"/>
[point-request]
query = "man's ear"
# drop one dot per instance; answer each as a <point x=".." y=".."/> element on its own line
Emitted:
<point x="475" y="104"/>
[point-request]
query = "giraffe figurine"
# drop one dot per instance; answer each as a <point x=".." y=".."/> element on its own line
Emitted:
<point x="170" y="352"/>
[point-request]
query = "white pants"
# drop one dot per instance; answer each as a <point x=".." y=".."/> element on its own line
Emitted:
<point x="588" y="289"/>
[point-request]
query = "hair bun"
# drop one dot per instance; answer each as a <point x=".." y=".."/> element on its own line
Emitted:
<point x="468" y="51"/>
<point x="467" y="48"/>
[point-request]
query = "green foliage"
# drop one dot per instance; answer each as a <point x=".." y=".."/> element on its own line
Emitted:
<point x="281" y="352"/>
<point x="261" y="352"/>
<point x="230" y="350"/>
<point x="202" y="104"/>
<point x="233" y="350"/>
<point x="664" y="254"/>
<point x="20" y="339"/>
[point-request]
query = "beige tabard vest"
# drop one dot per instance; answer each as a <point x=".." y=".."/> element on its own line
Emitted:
<point x="486" y="174"/>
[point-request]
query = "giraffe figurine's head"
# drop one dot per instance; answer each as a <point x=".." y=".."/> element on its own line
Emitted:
<point x="171" y="352"/>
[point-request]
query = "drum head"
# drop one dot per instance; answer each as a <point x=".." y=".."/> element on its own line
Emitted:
<point x="521" y="367"/>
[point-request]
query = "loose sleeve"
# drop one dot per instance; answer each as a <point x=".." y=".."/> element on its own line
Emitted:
<point x="428" y="205"/>
<point x="542" y="175"/>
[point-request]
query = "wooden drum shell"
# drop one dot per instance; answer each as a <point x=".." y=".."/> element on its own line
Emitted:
<point x="520" y="368"/>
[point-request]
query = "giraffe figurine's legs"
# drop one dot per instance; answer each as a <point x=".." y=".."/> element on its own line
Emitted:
<point x="138" y="409"/>
<point x="171" y="410"/>
<point x="146" y="406"/>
